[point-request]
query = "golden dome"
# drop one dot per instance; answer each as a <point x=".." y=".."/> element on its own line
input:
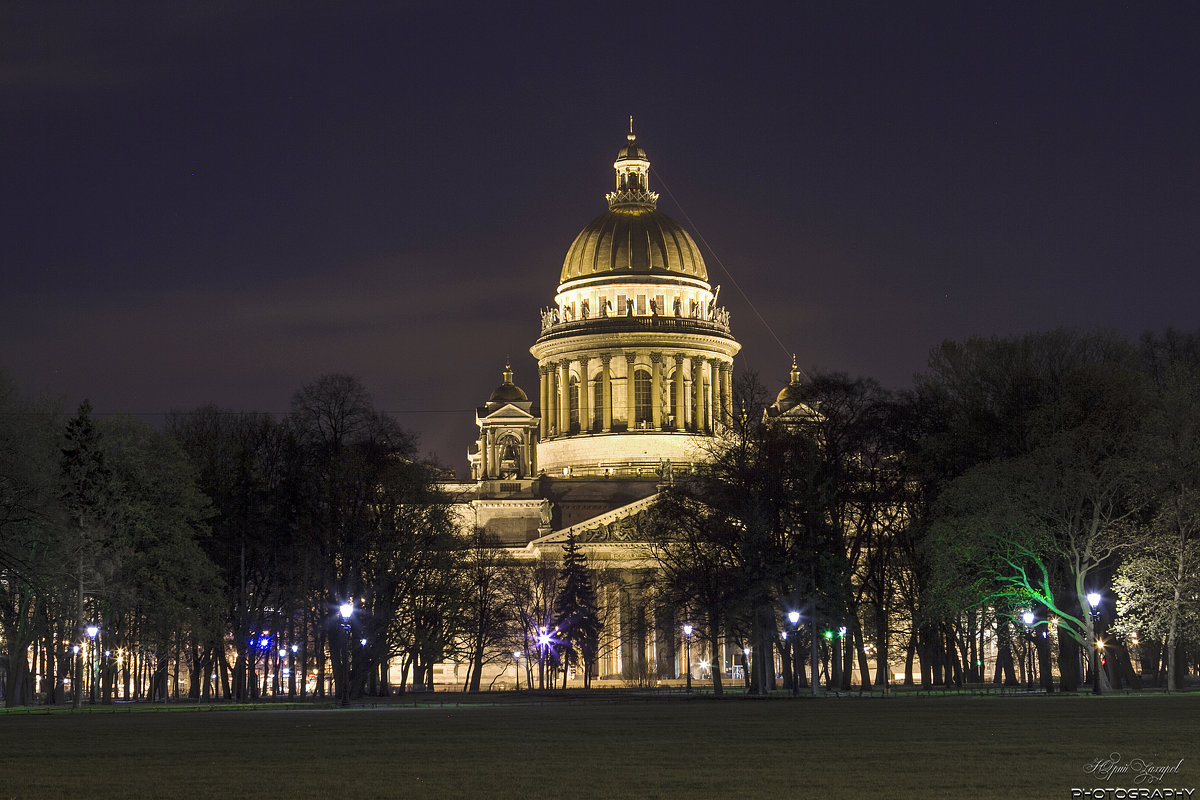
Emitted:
<point x="508" y="392"/>
<point x="633" y="237"/>
<point x="791" y="395"/>
<point x="631" y="240"/>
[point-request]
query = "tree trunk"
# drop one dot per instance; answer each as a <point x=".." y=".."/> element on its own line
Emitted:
<point x="882" y="654"/>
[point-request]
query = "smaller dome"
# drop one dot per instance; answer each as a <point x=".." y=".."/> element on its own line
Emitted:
<point x="631" y="150"/>
<point x="508" y="392"/>
<point x="791" y="395"/>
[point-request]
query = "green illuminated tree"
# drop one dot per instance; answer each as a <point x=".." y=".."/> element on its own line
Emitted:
<point x="1046" y="526"/>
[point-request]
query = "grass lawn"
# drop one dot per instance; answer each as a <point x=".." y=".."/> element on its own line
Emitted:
<point x="901" y="747"/>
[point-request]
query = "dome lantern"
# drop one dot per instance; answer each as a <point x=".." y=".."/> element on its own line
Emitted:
<point x="633" y="177"/>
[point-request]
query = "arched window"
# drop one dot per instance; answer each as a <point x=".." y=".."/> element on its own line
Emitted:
<point x="511" y="463"/>
<point x="599" y="401"/>
<point x="573" y="401"/>
<point x="642" y="412"/>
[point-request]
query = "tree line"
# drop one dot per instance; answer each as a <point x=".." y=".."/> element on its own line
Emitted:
<point x="957" y="531"/>
<point x="239" y="556"/>
<point x="1028" y="510"/>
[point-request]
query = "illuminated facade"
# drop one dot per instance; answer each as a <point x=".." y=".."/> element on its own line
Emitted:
<point x="635" y="359"/>
<point x="635" y="372"/>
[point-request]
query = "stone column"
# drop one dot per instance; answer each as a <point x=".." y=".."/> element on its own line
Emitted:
<point x="483" y="454"/>
<point x="544" y="402"/>
<point x="552" y="399"/>
<point x="585" y="393"/>
<point x="492" y="471"/>
<point x="606" y="391"/>
<point x="564" y="397"/>
<point x="698" y="393"/>
<point x="726" y="393"/>
<point x="656" y="391"/>
<point x="630" y="401"/>
<point x="713" y="394"/>
<point x="680" y="398"/>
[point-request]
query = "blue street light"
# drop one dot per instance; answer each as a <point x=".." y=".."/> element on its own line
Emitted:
<point x="93" y="631"/>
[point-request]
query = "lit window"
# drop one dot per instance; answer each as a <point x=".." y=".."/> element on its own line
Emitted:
<point x="641" y="397"/>
<point x="574" y="403"/>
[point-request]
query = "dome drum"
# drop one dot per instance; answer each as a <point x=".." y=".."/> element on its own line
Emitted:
<point x="635" y="358"/>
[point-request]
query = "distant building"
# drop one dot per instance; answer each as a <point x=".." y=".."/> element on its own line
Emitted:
<point x="635" y="373"/>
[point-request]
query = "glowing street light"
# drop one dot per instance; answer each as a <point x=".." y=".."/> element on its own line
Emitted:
<point x="93" y="631"/>
<point x="794" y="618"/>
<point x="346" y="611"/>
<point x="1028" y="617"/>
<point x="687" y="637"/>
<point x="1093" y="599"/>
<point x="543" y="643"/>
<point x="517" y="667"/>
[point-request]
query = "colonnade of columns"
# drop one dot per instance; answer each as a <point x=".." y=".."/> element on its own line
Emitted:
<point x="705" y="408"/>
<point x="650" y="636"/>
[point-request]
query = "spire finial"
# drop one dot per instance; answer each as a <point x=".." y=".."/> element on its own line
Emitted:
<point x="795" y="376"/>
<point x="508" y="373"/>
<point x="631" y="136"/>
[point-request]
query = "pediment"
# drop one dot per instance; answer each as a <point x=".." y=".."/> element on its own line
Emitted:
<point x="507" y="412"/>
<point x="611" y="526"/>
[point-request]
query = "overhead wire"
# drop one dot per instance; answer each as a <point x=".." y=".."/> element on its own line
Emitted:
<point x="717" y="258"/>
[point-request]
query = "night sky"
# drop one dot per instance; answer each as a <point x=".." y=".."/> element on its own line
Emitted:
<point x="212" y="203"/>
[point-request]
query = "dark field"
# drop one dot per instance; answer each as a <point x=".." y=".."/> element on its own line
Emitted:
<point x="902" y="747"/>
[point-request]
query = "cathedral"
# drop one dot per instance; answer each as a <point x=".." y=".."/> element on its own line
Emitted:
<point x="635" y="368"/>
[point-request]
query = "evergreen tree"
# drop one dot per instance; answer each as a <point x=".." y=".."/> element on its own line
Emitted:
<point x="86" y="490"/>
<point x="576" y="612"/>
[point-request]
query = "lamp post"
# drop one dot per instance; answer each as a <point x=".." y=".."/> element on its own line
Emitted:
<point x="93" y="631"/>
<point x="517" y="667"/>
<point x="687" y="637"/>
<point x="77" y="678"/>
<point x="794" y="618"/>
<point x="346" y="610"/>
<point x="1093" y="599"/>
<point x="1028" y="618"/>
<point x="543" y="646"/>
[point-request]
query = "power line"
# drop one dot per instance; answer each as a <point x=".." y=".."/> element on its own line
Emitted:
<point x="658" y="176"/>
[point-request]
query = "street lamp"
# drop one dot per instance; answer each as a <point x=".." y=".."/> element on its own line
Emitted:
<point x="77" y="679"/>
<point x="794" y="618"/>
<point x="517" y="667"/>
<point x="1027" y="617"/>
<point x="93" y="631"/>
<point x="1093" y="599"/>
<point x="687" y="637"/>
<point x="346" y="610"/>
